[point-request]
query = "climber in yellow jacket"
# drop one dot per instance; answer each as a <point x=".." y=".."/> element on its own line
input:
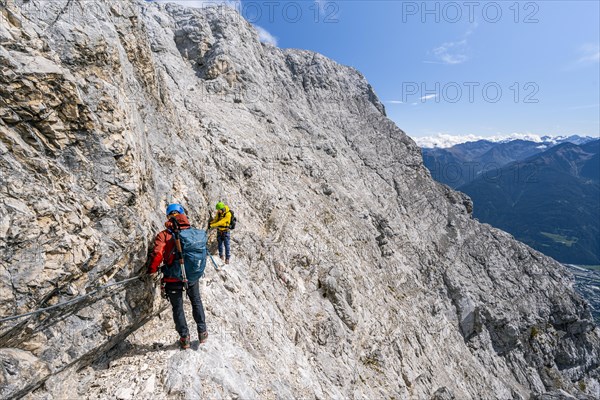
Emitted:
<point x="221" y="221"/>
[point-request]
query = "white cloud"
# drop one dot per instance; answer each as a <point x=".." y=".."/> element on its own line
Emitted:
<point x="427" y="97"/>
<point x="452" y="52"/>
<point x="471" y="29"/>
<point x="586" y="55"/>
<point x="395" y="102"/>
<point x="456" y="52"/>
<point x="589" y="53"/>
<point x="265" y="37"/>
<point x="444" y="140"/>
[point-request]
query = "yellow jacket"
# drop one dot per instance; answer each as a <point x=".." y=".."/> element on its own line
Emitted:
<point x="221" y="220"/>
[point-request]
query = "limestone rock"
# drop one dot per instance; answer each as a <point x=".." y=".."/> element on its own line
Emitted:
<point x="19" y="370"/>
<point x="354" y="274"/>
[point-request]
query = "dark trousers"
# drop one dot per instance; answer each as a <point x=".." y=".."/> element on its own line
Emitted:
<point x="223" y="238"/>
<point x="175" y="293"/>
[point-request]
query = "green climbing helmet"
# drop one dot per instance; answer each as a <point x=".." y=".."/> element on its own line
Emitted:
<point x="220" y="205"/>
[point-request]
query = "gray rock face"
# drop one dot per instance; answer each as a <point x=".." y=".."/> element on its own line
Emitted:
<point x="355" y="275"/>
<point x="587" y="282"/>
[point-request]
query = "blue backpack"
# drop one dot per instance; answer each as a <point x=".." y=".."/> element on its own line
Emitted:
<point x="193" y="245"/>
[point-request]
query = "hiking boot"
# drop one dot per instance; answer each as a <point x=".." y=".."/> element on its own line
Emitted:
<point x="222" y="258"/>
<point x="184" y="342"/>
<point x="227" y="261"/>
<point x="202" y="337"/>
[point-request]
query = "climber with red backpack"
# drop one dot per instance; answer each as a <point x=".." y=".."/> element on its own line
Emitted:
<point x="224" y="221"/>
<point x="182" y="251"/>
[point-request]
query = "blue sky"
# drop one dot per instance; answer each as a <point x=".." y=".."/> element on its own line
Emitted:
<point x="459" y="68"/>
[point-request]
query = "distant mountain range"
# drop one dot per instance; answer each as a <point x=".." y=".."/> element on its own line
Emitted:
<point x="444" y="141"/>
<point x="547" y="194"/>
<point x="460" y="164"/>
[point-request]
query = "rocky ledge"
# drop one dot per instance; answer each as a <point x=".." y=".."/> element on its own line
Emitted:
<point x="355" y="275"/>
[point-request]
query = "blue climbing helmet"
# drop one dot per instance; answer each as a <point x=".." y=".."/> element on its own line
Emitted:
<point x="175" y="208"/>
